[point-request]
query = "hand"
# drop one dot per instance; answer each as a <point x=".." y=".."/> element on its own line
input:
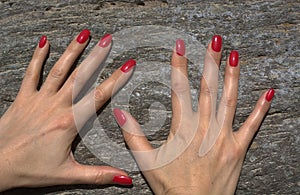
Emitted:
<point x="37" y="130"/>
<point x="202" y="155"/>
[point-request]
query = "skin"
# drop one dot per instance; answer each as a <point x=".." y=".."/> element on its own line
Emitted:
<point x="37" y="130"/>
<point x="218" y="170"/>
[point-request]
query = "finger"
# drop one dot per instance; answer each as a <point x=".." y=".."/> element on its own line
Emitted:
<point x="94" y="100"/>
<point x="181" y="95"/>
<point x="99" y="175"/>
<point x="58" y="73"/>
<point x="210" y="128"/>
<point x="228" y="102"/>
<point x="246" y="133"/>
<point x="139" y="145"/>
<point x="209" y="81"/>
<point x="87" y="68"/>
<point x="133" y="135"/>
<point x="33" y="72"/>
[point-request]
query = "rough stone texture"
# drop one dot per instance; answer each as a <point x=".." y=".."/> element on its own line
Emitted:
<point x="266" y="33"/>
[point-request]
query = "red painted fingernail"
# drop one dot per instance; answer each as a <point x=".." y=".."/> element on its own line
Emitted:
<point x="180" y="47"/>
<point x="105" y="40"/>
<point x="122" y="180"/>
<point x="234" y="58"/>
<point x="270" y="94"/>
<point x="43" y="41"/>
<point x="216" y="43"/>
<point x="119" y="116"/>
<point x="83" y="36"/>
<point x="128" y="65"/>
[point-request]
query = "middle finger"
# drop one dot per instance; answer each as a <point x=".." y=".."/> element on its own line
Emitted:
<point x="209" y="81"/>
<point x="87" y="68"/>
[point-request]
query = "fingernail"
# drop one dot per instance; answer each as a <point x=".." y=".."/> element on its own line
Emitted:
<point x="216" y="43"/>
<point x="119" y="116"/>
<point x="122" y="180"/>
<point x="128" y="65"/>
<point x="83" y="36"/>
<point x="234" y="58"/>
<point x="43" y="41"/>
<point x="270" y="94"/>
<point x="105" y="40"/>
<point x="180" y="47"/>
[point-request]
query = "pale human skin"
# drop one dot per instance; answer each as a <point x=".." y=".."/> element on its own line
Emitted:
<point x="37" y="130"/>
<point x="217" y="171"/>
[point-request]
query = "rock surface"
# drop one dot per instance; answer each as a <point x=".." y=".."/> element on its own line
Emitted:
<point x="266" y="33"/>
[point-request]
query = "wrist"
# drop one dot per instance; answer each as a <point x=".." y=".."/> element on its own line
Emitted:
<point x="7" y="178"/>
<point x="184" y="190"/>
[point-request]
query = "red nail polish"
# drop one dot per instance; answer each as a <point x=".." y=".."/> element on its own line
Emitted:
<point x="234" y="58"/>
<point x="128" y="65"/>
<point x="83" y="36"/>
<point x="216" y="43"/>
<point x="270" y="94"/>
<point x="105" y="40"/>
<point x="180" y="47"/>
<point x="43" y="41"/>
<point x="120" y="117"/>
<point x="122" y="180"/>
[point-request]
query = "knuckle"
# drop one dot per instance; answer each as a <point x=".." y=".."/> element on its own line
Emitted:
<point x="129" y="138"/>
<point x="180" y="87"/>
<point x="56" y="73"/>
<point x="30" y="74"/>
<point x="181" y="64"/>
<point x="114" y="78"/>
<point x="65" y="122"/>
<point x="99" y="94"/>
<point x="253" y="126"/>
<point x="76" y="79"/>
<point x="233" y="73"/>
<point x="206" y="91"/>
<point x="234" y="154"/>
<point x="99" y="177"/>
<point x="72" y="48"/>
<point x="230" y="102"/>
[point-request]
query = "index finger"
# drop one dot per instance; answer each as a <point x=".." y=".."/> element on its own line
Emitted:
<point x="246" y="133"/>
<point x="96" y="98"/>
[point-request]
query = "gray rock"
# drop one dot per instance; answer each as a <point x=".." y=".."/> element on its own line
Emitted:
<point x="266" y="33"/>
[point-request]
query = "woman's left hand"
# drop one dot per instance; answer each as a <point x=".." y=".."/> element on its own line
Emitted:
<point x="37" y="130"/>
<point x="202" y="154"/>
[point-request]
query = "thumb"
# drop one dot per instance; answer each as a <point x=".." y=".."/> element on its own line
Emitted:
<point x="99" y="175"/>
<point x="132" y="132"/>
<point x="143" y="152"/>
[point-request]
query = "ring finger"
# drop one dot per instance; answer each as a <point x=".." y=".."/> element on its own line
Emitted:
<point x="58" y="73"/>
<point x="228" y="102"/>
